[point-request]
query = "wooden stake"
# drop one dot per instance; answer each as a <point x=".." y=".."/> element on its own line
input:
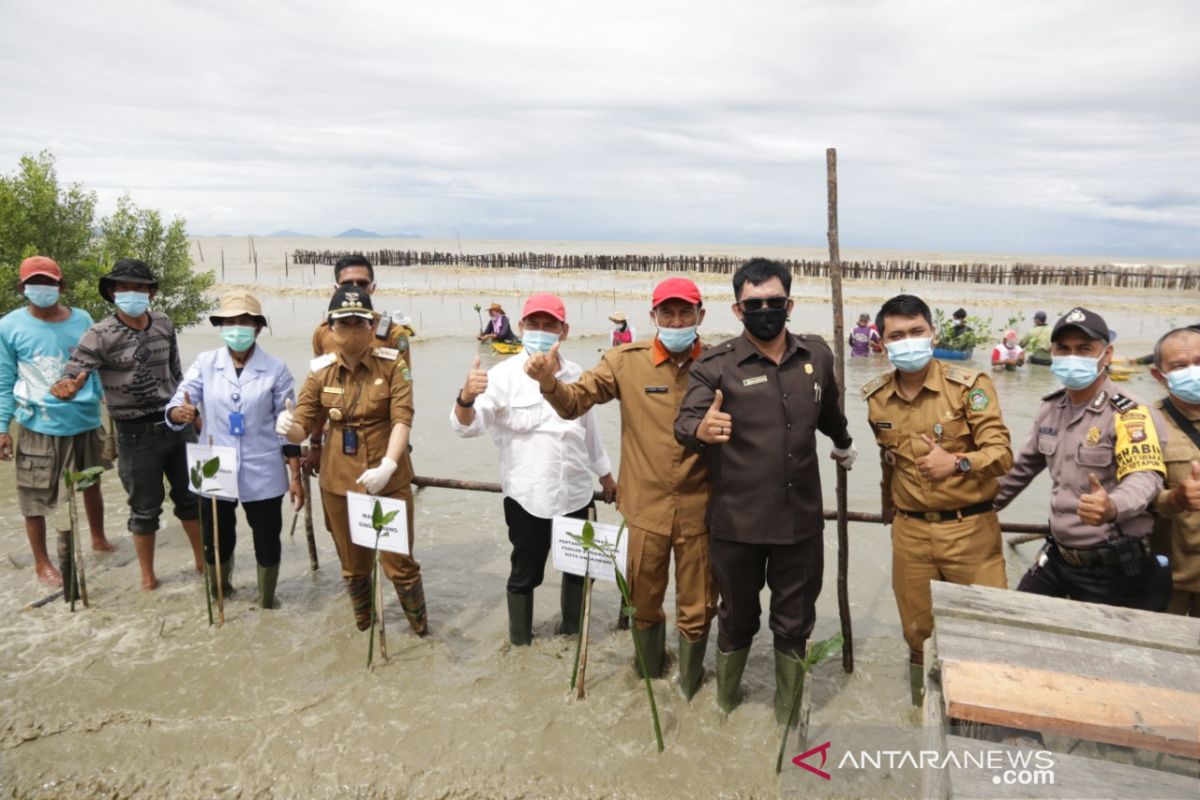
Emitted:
<point x="309" y="533"/>
<point x="216" y="526"/>
<point x="839" y="349"/>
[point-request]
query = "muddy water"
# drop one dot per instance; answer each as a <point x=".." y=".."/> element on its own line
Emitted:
<point x="138" y="696"/>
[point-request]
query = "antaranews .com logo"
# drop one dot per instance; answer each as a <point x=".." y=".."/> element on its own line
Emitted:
<point x="1010" y="767"/>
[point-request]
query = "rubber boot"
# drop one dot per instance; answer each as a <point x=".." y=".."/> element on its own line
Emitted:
<point x="570" y="600"/>
<point x="412" y="600"/>
<point x="360" y="601"/>
<point x="730" y="667"/>
<point x="789" y="684"/>
<point x="226" y="578"/>
<point x="520" y="619"/>
<point x="916" y="682"/>
<point x="654" y="649"/>
<point x="267" y="578"/>
<point x="691" y="664"/>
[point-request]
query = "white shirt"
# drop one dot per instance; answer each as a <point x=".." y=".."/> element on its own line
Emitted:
<point x="544" y="459"/>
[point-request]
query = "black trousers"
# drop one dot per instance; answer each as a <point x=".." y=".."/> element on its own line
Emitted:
<point x="266" y="523"/>
<point x="1149" y="591"/>
<point x="530" y="537"/>
<point x="794" y="572"/>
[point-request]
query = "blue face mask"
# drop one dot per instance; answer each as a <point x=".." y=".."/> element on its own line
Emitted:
<point x="538" y="341"/>
<point x="132" y="303"/>
<point x="676" y="340"/>
<point x="910" y="355"/>
<point x="1075" y="372"/>
<point x="1185" y="384"/>
<point x="238" y="337"/>
<point x="41" y="296"/>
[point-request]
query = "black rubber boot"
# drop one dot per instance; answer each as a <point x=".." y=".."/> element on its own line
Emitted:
<point x="226" y="578"/>
<point x="654" y="649"/>
<point x="570" y="600"/>
<point x="691" y="664"/>
<point x="267" y="578"/>
<point x="730" y="667"/>
<point x="520" y="618"/>
<point x="789" y="684"/>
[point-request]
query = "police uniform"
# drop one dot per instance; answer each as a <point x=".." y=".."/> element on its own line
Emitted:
<point x="363" y="403"/>
<point x="1179" y="530"/>
<point x="946" y="529"/>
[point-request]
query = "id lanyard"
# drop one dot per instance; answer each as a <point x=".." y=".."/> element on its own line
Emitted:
<point x="237" y="422"/>
<point x="350" y="435"/>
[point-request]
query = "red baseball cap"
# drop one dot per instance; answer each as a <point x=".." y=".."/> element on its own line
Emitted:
<point x="676" y="289"/>
<point x="547" y="304"/>
<point x="39" y="265"/>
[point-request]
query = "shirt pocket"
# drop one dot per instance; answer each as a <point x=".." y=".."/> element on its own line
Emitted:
<point x="955" y="436"/>
<point x="1047" y="444"/>
<point x="1094" y="456"/>
<point x="35" y="465"/>
<point x="525" y="414"/>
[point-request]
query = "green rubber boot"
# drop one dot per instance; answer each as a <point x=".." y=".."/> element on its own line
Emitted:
<point x="226" y="578"/>
<point x="570" y="600"/>
<point x="730" y="667"/>
<point x="267" y="578"/>
<point x="916" y="682"/>
<point x="654" y="649"/>
<point x="691" y="664"/>
<point x="789" y="683"/>
<point x="520" y="618"/>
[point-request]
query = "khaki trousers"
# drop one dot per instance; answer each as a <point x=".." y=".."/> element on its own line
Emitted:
<point x="648" y="573"/>
<point x="962" y="551"/>
<point x="403" y="571"/>
<point x="1185" y="603"/>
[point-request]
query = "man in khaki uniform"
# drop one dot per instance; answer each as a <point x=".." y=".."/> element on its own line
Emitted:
<point x="1177" y="508"/>
<point x="663" y="488"/>
<point x="943" y="444"/>
<point x="366" y="392"/>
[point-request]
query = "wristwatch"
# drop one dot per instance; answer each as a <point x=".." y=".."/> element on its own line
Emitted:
<point x="458" y="399"/>
<point x="963" y="465"/>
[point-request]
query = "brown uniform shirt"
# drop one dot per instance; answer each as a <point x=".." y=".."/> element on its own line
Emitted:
<point x="1180" y="529"/>
<point x="397" y="337"/>
<point x="958" y="409"/>
<point x="370" y="399"/>
<point x="660" y="481"/>
<point x="766" y="485"/>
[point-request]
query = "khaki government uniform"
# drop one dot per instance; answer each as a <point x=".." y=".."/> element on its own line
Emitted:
<point x="662" y="489"/>
<point x="958" y="409"/>
<point x="397" y="338"/>
<point x="1179" y="532"/>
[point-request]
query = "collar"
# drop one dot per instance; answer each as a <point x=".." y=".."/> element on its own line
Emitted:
<point x="660" y="355"/>
<point x="255" y="362"/>
<point x="1098" y="402"/>
<point x="744" y="349"/>
<point x="933" y="379"/>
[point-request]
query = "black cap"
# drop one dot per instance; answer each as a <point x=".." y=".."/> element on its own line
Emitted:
<point x="960" y="314"/>
<point x="350" y="301"/>
<point x="1089" y="323"/>
<point x="1039" y="316"/>
<point x="127" y="270"/>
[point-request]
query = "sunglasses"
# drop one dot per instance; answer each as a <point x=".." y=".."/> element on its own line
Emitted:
<point x="361" y="284"/>
<point x="757" y="303"/>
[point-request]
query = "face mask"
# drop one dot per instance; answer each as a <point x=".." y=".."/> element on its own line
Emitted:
<point x="42" y="296"/>
<point x="910" y="355"/>
<point x="766" y="324"/>
<point x="538" y="341"/>
<point x="676" y="340"/>
<point x="238" y="337"/>
<point x="132" y="303"/>
<point x="1185" y="384"/>
<point x="1075" y="372"/>
<point x="353" y="341"/>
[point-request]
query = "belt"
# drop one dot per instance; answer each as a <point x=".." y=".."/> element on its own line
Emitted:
<point x="1102" y="556"/>
<point x="150" y="422"/>
<point x="949" y="516"/>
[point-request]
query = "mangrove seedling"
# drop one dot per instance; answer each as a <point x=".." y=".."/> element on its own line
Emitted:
<point x="817" y="652"/>
<point x="201" y="470"/>
<point x="77" y="482"/>
<point x="379" y="521"/>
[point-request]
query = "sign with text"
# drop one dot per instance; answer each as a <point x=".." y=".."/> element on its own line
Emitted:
<point x="570" y="557"/>
<point x="223" y="483"/>
<point x="394" y="537"/>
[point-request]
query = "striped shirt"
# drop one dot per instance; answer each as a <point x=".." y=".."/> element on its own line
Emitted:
<point x="138" y="370"/>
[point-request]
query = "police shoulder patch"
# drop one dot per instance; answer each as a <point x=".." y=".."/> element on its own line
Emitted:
<point x="875" y="384"/>
<point x="962" y="375"/>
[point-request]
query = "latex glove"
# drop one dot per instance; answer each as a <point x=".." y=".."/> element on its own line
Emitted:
<point x="283" y="425"/>
<point x="845" y="458"/>
<point x="373" y="480"/>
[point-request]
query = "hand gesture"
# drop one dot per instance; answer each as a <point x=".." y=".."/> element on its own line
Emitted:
<point x="543" y="367"/>
<point x="938" y="464"/>
<point x="286" y="420"/>
<point x="717" y="426"/>
<point x="373" y="480"/>
<point x="1095" y="507"/>
<point x="185" y="412"/>
<point x="67" y="388"/>
<point x="1184" y="497"/>
<point x="477" y="382"/>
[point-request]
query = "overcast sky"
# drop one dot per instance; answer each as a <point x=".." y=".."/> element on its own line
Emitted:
<point x="1010" y="126"/>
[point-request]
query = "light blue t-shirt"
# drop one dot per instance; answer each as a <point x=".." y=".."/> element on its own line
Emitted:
<point x="32" y="356"/>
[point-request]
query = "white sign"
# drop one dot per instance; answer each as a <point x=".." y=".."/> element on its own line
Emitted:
<point x="224" y="484"/>
<point x="570" y="557"/>
<point x="394" y="537"/>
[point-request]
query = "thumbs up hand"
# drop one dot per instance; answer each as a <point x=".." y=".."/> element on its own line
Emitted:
<point x="185" y="412"/>
<point x="477" y="382"/>
<point x="1186" y="496"/>
<point x="717" y="426"/>
<point x="67" y="388"/>
<point x="287" y="421"/>
<point x="543" y="367"/>
<point x="1095" y="507"/>
<point x="938" y="464"/>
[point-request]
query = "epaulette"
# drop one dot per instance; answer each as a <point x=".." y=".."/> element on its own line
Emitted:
<point x="386" y="353"/>
<point x="716" y="351"/>
<point x="1054" y="394"/>
<point x="1122" y="403"/>
<point x="870" y="387"/>
<point x="812" y="337"/>
<point x="962" y="375"/>
<point x="639" y="344"/>
<point x="320" y="362"/>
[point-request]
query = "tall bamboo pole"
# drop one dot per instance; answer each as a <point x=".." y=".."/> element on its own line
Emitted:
<point x="216" y="546"/>
<point x="839" y="350"/>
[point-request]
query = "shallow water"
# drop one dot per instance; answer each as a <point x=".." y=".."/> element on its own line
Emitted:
<point x="138" y="696"/>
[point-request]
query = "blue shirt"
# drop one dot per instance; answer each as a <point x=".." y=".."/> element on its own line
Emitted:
<point x="259" y="393"/>
<point x="32" y="356"/>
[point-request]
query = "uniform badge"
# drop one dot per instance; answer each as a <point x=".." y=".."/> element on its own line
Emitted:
<point x="335" y="414"/>
<point x="378" y="381"/>
<point x="937" y="430"/>
<point x="1093" y="436"/>
<point x="808" y="369"/>
<point x="978" y="400"/>
<point x="407" y="375"/>
<point x="1076" y="315"/>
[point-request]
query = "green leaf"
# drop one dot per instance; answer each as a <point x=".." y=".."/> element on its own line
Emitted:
<point x="388" y="517"/>
<point x="822" y="650"/>
<point x="377" y="516"/>
<point x="211" y="467"/>
<point x="589" y="535"/>
<point x="196" y="479"/>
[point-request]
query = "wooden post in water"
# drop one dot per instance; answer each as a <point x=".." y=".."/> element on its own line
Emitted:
<point x="839" y="349"/>
<point x="222" y="266"/>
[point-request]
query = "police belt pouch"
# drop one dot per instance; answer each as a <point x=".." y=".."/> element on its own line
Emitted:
<point x="1125" y="555"/>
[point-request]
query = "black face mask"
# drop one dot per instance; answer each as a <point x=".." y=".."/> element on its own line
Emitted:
<point x="766" y="324"/>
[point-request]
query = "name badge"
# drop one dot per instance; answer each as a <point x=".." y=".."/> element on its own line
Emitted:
<point x="656" y="390"/>
<point x="753" y="381"/>
<point x="883" y="426"/>
<point x="333" y="389"/>
<point x="237" y="424"/>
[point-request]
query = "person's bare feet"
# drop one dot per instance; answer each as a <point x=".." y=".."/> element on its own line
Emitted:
<point x="103" y="545"/>
<point x="149" y="583"/>
<point x="47" y="574"/>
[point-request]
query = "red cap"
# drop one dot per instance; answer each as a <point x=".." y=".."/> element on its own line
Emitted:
<point x="39" y="265"/>
<point x="545" y="303"/>
<point x="676" y="289"/>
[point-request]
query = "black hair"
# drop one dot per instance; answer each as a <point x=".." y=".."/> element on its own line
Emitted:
<point x="758" y="271"/>
<point x="355" y="260"/>
<point x="1168" y="336"/>
<point x="903" y="305"/>
<point x="960" y="314"/>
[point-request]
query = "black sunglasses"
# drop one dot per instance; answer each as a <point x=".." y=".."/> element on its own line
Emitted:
<point x="361" y="284"/>
<point x="756" y="303"/>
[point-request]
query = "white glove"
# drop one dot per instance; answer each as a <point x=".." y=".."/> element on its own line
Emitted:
<point x="373" y="480"/>
<point x="283" y="425"/>
<point x="845" y="457"/>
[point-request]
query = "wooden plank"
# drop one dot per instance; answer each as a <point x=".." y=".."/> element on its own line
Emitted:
<point x="1072" y="617"/>
<point x="1072" y="776"/>
<point x="935" y="783"/>
<point x="999" y="643"/>
<point x="1145" y="717"/>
